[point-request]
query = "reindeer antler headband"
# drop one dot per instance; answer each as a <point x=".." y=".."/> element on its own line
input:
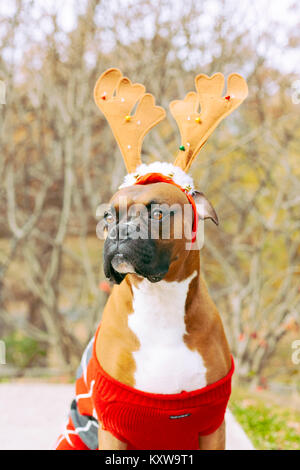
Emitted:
<point x="116" y="96"/>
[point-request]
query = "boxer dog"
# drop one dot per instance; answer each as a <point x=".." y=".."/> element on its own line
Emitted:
<point x="157" y="374"/>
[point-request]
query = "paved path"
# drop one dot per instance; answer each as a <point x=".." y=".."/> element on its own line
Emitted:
<point x="32" y="416"/>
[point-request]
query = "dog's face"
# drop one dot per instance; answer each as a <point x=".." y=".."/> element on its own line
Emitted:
<point x="147" y="227"/>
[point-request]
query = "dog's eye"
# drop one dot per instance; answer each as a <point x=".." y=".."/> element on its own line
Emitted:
<point x="157" y="214"/>
<point x="108" y="217"/>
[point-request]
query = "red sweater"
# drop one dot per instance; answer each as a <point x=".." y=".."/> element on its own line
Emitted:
<point x="142" y="420"/>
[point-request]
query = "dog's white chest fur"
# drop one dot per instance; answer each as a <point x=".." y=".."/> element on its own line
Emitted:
<point x="164" y="364"/>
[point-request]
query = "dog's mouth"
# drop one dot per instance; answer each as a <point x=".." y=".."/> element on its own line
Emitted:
<point x="122" y="266"/>
<point x="117" y="265"/>
<point x="157" y="277"/>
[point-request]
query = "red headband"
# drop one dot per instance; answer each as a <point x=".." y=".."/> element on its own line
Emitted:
<point x="160" y="178"/>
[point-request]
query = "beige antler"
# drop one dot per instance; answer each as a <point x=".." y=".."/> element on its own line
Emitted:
<point x="195" y="127"/>
<point x="116" y="96"/>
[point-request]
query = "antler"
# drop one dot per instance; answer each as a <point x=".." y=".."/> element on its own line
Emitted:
<point x="116" y="96"/>
<point x="195" y="127"/>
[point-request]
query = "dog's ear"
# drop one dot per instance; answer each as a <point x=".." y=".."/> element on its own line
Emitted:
<point x="204" y="208"/>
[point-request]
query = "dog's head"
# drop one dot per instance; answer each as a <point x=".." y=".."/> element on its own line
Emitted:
<point x="147" y="227"/>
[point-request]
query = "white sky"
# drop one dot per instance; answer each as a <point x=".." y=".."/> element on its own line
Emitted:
<point x="257" y="14"/>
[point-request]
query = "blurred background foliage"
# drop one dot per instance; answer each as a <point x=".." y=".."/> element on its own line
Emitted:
<point x="59" y="161"/>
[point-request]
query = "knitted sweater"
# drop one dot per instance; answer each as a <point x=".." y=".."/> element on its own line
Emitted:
<point x="143" y="420"/>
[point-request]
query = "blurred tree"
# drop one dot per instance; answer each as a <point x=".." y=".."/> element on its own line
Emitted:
<point x="59" y="160"/>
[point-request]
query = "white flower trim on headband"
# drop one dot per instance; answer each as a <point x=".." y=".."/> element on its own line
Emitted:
<point x="168" y="169"/>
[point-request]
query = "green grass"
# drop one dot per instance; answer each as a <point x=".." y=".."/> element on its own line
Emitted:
<point x="268" y="425"/>
<point x="22" y="350"/>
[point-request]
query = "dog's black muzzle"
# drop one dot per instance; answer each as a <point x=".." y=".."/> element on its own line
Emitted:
<point x="142" y="253"/>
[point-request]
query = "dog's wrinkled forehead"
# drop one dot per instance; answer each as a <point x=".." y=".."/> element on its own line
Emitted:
<point x="156" y="193"/>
